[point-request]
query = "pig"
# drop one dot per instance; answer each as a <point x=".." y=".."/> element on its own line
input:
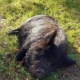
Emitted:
<point x="42" y="46"/>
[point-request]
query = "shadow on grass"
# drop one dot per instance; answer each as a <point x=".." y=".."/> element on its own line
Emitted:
<point x="72" y="4"/>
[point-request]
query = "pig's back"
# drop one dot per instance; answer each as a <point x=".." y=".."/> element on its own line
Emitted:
<point x="36" y="27"/>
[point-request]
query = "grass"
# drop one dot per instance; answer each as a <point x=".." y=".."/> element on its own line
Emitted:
<point x="14" y="12"/>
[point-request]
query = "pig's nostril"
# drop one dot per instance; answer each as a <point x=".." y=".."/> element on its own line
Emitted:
<point x="40" y="73"/>
<point x="40" y="70"/>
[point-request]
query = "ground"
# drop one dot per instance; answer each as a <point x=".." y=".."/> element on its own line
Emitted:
<point x="14" y="12"/>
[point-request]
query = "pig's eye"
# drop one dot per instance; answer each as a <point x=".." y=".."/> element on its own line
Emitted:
<point x="39" y="57"/>
<point x="39" y="49"/>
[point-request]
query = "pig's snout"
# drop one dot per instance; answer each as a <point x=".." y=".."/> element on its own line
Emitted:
<point x="40" y="73"/>
<point x="37" y="69"/>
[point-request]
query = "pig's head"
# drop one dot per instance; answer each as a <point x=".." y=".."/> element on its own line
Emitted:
<point x="39" y="63"/>
<point x="37" y="58"/>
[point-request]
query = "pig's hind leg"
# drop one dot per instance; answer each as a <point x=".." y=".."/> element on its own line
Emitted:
<point x="14" y="32"/>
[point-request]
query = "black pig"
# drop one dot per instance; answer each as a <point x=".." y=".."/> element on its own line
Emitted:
<point x="43" y="46"/>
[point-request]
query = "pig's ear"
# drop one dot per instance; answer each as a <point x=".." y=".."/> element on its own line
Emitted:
<point x="49" y="38"/>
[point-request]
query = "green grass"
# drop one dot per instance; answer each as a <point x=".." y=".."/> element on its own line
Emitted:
<point x="14" y="12"/>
